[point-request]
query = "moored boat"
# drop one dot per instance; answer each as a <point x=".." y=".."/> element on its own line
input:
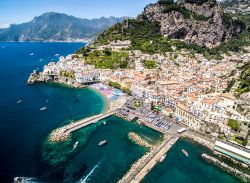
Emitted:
<point x="184" y="152"/>
<point x="162" y="158"/>
<point x="102" y="142"/>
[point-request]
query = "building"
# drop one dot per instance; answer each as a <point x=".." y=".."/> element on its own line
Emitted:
<point x="187" y="118"/>
<point x="87" y="77"/>
<point x="235" y="152"/>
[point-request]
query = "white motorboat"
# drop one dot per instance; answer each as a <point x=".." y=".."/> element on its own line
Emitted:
<point x="162" y="158"/>
<point x="43" y="108"/>
<point x="75" y="144"/>
<point x="102" y="142"/>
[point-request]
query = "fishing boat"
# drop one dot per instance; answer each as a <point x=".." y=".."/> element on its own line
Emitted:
<point x="43" y="108"/>
<point x="184" y="152"/>
<point x="162" y="158"/>
<point x="19" y="101"/>
<point x="75" y="145"/>
<point x="101" y="143"/>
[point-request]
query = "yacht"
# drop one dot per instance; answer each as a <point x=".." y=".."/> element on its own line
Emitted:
<point x="104" y="122"/>
<point x="102" y="142"/>
<point x="19" y="101"/>
<point x="31" y="54"/>
<point x="43" y="108"/>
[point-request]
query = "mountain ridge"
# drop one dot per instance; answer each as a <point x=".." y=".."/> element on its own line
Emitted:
<point x="53" y="26"/>
<point x="196" y="22"/>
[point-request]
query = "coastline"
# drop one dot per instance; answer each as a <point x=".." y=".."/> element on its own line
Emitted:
<point x="106" y="100"/>
<point x="222" y="161"/>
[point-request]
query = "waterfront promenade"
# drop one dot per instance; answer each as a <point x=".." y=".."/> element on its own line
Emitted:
<point x="140" y="168"/>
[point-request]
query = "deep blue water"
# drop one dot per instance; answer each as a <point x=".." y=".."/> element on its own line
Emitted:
<point x="23" y="126"/>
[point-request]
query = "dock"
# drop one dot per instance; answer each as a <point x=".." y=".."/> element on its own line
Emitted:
<point x="142" y="167"/>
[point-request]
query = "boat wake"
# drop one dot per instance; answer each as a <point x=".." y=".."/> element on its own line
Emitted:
<point x="86" y="178"/>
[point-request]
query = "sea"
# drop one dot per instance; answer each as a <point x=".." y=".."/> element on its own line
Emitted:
<point x="24" y="130"/>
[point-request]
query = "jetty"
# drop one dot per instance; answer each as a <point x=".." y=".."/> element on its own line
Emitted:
<point x="141" y="168"/>
<point x="62" y="134"/>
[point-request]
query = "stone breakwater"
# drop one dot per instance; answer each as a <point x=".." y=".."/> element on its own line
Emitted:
<point x="136" y="165"/>
<point x="59" y="135"/>
<point x="138" y="140"/>
<point x="226" y="167"/>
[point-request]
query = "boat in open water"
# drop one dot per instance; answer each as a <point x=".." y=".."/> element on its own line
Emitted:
<point x="43" y="108"/>
<point x="184" y="152"/>
<point x="75" y="145"/>
<point x="103" y="142"/>
<point x="19" y="101"/>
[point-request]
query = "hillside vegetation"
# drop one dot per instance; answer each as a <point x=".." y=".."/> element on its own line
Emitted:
<point x="147" y="37"/>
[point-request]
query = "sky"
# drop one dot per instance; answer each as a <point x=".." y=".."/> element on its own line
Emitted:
<point x="20" y="11"/>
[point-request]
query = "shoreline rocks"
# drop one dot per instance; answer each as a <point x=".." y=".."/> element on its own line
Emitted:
<point x="226" y="167"/>
<point x="138" y="140"/>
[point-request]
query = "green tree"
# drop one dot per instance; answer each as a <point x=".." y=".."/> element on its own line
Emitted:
<point x="234" y="124"/>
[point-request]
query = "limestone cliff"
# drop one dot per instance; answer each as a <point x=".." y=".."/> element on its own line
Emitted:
<point x="200" y="22"/>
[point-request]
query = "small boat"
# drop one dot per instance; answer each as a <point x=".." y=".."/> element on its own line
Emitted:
<point x="43" y="108"/>
<point x="19" y="101"/>
<point x="41" y="60"/>
<point x="75" y="144"/>
<point x="57" y="55"/>
<point x="31" y="54"/>
<point x="102" y="142"/>
<point x="104" y="122"/>
<point x="162" y="158"/>
<point x="184" y="152"/>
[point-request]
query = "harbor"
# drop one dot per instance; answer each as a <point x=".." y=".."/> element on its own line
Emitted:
<point x="140" y="168"/>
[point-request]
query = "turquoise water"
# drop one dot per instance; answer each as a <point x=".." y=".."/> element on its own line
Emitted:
<point x="177" y="168"/>
<point x="23" y="127"/>
<point x="91" y="162"/>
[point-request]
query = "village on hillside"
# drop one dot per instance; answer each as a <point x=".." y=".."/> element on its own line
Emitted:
<point x="188" y="89"/>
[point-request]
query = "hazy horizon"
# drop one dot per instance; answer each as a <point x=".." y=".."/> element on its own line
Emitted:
<point x="16" y="12"/>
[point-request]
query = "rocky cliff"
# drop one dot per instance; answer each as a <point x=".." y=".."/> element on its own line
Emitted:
<point x="200" y="22"/>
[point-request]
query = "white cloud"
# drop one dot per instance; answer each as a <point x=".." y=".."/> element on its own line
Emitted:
<point x="4" y="25"/>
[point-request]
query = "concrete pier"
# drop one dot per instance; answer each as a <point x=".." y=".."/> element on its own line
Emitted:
<point x="141" y="168"/>
<point x="62" y="134"/>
